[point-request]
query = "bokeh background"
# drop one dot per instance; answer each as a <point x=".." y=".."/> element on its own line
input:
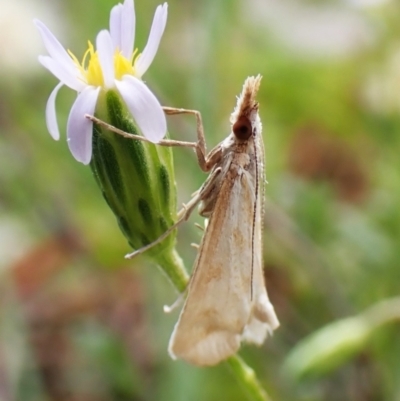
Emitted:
<point x="78" y="322"/>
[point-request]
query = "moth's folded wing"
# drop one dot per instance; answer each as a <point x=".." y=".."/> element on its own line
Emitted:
<point x="262" y="320"/>
<point x="202" y="349"/>
<point x="218" y="304"/>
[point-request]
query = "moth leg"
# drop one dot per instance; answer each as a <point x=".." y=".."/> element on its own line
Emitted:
<point x="206" y="161"/>
<point x="177" y="302"/>
<point x="199" y="227"/>
<point x="183" y="214"/>
<point x="163" y="142"/>
<point x="201" y="147"/>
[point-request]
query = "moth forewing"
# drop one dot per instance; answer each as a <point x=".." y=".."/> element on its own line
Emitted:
<point x="218" y="302"/>
<point x="227" y="301"/>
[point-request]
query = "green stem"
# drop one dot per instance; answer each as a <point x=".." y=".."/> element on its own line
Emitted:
<point x="247" y="378"/>
<point x="172" y="265"/>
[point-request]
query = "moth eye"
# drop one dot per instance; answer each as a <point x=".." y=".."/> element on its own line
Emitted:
<point x="242" y="128"/>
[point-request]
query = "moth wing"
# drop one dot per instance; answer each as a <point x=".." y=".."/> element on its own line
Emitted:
<point x="263" y="319"/>
<point x="218" y="304"/>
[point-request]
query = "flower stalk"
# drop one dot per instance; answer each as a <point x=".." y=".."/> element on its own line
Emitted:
<point x="247" y="378"/>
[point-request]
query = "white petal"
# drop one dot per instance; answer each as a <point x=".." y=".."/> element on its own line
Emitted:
<point x="157" y="29"/>
<point x="61" y="73"/>
<point x="144" y="107"/>
<point x="122" y="27"/>
<point x="106" y="57"/>
<point x="79" y="128"/>
<point x="128" y="22"/>
<point x="115" y="26"/>
<point x="51" y="116"/>
<point x="55" y="48"/>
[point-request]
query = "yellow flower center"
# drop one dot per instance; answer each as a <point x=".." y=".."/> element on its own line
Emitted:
<point x="90" y="67"/>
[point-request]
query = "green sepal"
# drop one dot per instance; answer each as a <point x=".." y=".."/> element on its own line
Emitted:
<point x="136" y="178"/>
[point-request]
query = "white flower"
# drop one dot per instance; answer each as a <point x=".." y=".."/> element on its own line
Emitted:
<point x="112" y="66"/>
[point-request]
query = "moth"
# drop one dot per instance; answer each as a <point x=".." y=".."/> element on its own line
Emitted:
<point x="226" y="301"/>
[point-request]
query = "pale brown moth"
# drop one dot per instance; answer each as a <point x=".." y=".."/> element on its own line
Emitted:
<point x="226" y="301"/>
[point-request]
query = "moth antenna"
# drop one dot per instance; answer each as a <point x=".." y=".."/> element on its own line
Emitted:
<point x="256" y="195"/>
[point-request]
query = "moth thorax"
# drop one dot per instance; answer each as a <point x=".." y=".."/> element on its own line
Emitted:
<point x="242" y="128"/>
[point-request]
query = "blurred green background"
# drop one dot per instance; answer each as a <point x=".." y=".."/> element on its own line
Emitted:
<point x="78" y="322"/>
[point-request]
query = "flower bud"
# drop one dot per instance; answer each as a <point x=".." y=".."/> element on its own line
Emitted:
<point x="135" y="177"/>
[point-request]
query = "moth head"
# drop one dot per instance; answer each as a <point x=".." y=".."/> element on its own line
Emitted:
<point x="244" y="119"/>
